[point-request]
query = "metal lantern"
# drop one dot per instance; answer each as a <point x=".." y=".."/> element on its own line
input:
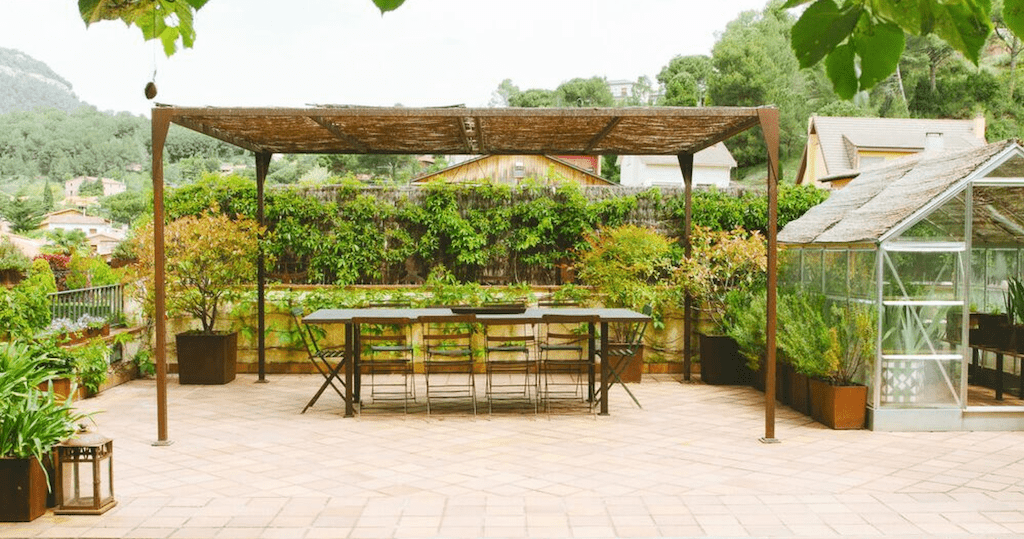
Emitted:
<point x="85" y="475"/>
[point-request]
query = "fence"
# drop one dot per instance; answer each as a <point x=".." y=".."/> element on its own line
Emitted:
<point x="102" y="301"/>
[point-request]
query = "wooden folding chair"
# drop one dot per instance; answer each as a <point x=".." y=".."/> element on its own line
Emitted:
<point x="328" y="361"/>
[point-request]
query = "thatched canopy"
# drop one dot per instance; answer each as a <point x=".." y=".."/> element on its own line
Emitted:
<point x="884" y="197"/>
<point x="460" y="130"/>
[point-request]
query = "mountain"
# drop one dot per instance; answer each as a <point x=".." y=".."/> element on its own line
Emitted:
<point x="28" y="84"/>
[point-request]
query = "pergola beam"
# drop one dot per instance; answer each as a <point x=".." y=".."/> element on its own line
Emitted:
<point x="348" y="139"/>
<point x="604" y="133"/>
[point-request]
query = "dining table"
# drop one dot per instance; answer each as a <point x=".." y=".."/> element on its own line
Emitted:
<point x="351" y="318"/>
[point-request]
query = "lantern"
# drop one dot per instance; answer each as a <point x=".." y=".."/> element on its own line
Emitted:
<point x="85" y="475"/>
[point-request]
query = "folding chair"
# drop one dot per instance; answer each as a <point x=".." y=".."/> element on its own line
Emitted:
<point x="321" y="358"/>
<point x="626" y="353"/>
<point x="564" y="361"/>
<point x="510" y="352"/>
<point x="447" y="351"/>
<point x="386" y="358"/>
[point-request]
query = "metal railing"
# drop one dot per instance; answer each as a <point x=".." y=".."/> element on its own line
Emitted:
<point x="102" y="301"/>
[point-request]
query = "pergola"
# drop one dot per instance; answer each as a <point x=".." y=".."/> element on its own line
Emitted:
<point x="679" y="131"/>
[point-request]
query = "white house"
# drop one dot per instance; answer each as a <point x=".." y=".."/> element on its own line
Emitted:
<point x="72" y="219"/>
<point x="711" y="166"/>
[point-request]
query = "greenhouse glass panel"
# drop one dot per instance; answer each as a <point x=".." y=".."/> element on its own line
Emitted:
<point x="945" y="223"/>
<point x="922" y="275"/>
<point x="862" y="275"/>
<point x="1000" y="266"/>
<point x="789" y="267"/>
<point x="812" y="270"/>
<point x="836" y="274"/>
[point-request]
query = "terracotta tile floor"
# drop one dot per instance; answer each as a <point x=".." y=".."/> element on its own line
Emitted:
<point x="246" y="463"/>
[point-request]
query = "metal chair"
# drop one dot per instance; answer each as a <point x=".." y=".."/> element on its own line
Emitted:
<point x="564" y="358"/>
<point x="386" y="359"/>
<point x="626" y="353"/>
<point x="328" y="361"/>
<point x="510" y="352"/>
<point x="448" y="351"/>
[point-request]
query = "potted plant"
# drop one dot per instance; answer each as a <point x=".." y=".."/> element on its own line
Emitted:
<point x="31" y="423"/>
<point x="207" y="256"/>
<point x="837" y="399"/>
<point x="721" y="262"/>
<point x="626" y="266"/>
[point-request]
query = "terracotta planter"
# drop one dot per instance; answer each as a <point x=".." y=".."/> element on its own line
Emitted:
<point x="206" y="358"/>
<point x="22" y="490"/>
<point x="62" y="389"/>
<point x="838" y="407"/>
<point x="800" y="393"/>
<point x="720" y="361"/>
<point x="11" y="277"/>
<point x="634" y="371"/>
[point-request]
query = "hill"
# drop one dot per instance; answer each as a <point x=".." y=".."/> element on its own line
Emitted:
<point x="28" y="84"/>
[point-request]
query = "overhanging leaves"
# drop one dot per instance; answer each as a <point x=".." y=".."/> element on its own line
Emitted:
<point x="1013" y="16"/>
<point x="840" y="70"/>
<point x="388" y="5"/>
<point x="820" y="29"/>
<point x="879" y="51"/>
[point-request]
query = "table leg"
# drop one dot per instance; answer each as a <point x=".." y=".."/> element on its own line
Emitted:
<point x="591" y="358"/>
<point x="349" y="368"/>
<point x="605" y="386"/>
<point x="999" y="376"/>
<point x="357" y="348"/>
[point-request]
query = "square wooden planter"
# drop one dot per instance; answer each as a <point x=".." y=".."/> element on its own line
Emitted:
<point x="206" y="359"/>
<point x="720" y="361"/>
<point x="838" y="407"/>
<point x="22" y="490"/>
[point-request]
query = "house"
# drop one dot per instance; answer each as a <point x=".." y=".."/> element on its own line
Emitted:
<point x="103" y="244"/>
<point x="72" y="219"/>
<point x="838" y="147"/>
<point x="110" y="187"/>
<point x="512" y="169"/>
<point x="711" y="166"/>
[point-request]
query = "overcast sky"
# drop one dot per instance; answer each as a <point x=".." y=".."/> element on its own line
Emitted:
<point x="427" y="53"/>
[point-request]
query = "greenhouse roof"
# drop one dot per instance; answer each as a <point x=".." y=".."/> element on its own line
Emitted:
<point x="884" y="197"/>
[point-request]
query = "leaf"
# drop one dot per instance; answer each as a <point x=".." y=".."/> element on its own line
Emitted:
<point x="820" y="29"/>
<point x="880" y="51"/>
<point x="388" y="5"/>
<point x="964" y="25"/>
<point x="908" y="15"/>
<point x="794" y="3"/>
<point x="1013" y="16"/>
<point x="840" y="70"/>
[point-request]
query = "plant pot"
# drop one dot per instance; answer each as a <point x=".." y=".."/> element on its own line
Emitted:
<point x="783" y="379"/>
<point x="991" y="330"/>
<point x="634" y="370"/>
<point x="720" y="361"/>
<point x="206" y="358"/>
<point x="838" y="407"/>
<point x="11" y="277"/>
<point x="23" y="490"/>
<point x="62" y="389"/>
<point x="799" y="393"/>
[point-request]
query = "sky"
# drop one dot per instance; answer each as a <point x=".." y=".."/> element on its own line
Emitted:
<point x="426" y="53"/>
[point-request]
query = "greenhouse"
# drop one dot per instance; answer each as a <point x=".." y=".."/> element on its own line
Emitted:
<point x="930" y="245"/>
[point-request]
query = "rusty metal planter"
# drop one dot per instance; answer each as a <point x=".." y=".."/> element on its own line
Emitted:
<point x="838" y="407"/>
<point x="23" y="490"/>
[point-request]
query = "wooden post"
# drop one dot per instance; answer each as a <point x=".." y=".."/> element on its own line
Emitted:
<point x="161" y="123"/>
<point x="262" y="166"/>
<point x="769" y="118"/>
<point x="686" y="166"/>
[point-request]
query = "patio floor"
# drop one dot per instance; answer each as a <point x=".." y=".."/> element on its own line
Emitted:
<point x="245" y="463"/>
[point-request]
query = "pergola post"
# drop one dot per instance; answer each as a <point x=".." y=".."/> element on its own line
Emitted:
<point x="160" y="125"/>
<point x="262" y="166"/>
<point x="769" y="119"/>
<point x="686" y="166"/>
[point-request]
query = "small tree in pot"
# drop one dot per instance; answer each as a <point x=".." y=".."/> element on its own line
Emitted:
<point x="207" y="257"/>
<point x="721" y="262"/>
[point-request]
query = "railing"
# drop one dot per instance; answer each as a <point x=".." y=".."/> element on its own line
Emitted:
<point x="102" y="301"/>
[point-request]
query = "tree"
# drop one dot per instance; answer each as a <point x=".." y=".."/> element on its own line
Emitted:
<point x="534" y="98"/>
<point x="579" y="92"/>
<point x="126" y="207"/>
<point x="47" y="197"/>
<point x="685" y="80"/>
<point x="170" y="21"/>
<point x="24" y="213"/>
<point x="861" y="42"/>
<point x="66" y="242"/>
<point x="1010" y="41"/>
<point x="91" y="188"/>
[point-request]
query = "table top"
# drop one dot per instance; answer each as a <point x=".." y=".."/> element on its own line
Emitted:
<point x="531" y="315"/>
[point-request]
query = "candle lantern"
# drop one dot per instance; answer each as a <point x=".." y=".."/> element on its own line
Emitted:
<point x="85" y="475"/>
